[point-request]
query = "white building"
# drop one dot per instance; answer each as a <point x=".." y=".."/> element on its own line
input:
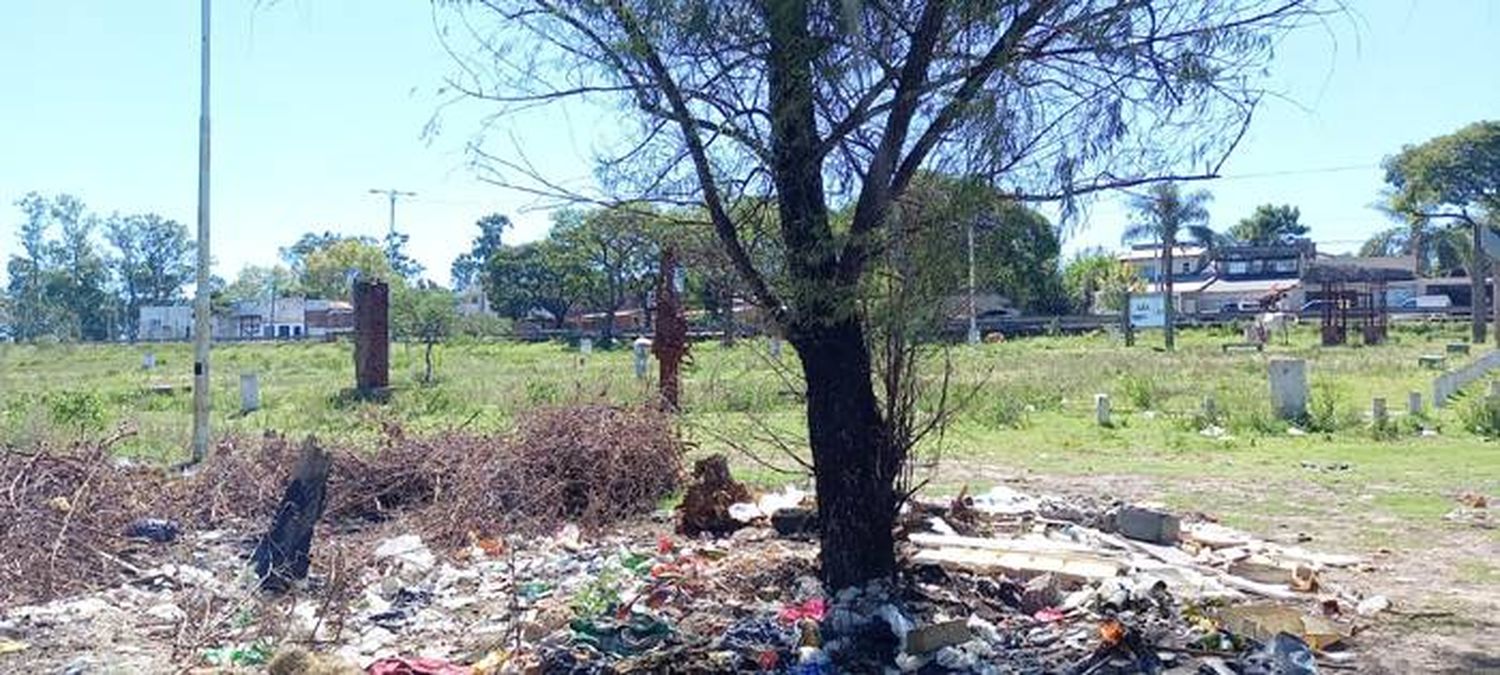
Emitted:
<point x="166" y="322"/>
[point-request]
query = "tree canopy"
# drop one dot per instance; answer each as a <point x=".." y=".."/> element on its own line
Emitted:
<point x="1270" y="224"/>
<point x="816" y="106"/>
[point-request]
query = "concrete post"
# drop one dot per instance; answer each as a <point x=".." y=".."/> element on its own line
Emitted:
<point x="585" y="346"/>
<point x="1378" y="413"/>
<point x="148" y="360"/>
<point x="249" y="393"/>
<point x="1210" y="408"/>
<point x="372" y="337"/>
<point x="1101" y="409"/>
<point x="1414" y="402"/>
<point x="1288" y="387"/>
<point x="775" y="347"/>
<point x="642" y="346"/>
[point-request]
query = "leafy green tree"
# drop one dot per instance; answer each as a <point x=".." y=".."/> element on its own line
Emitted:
<point x="1453" y="178"/>
<point x="426" y="313"/>
<point x="328" y="272"/>
<point x="1095" y="276"/>
<point x="59" y="287"/>
<point x="1166" y="216"/>
<point x="396" y="257"/>
<point x="260" y="282"/>
<point x="1016" y="249"/>
<point x="1270" y="224"/>
<point x="154" y="259"/>
<point x="532" y="276"/>
<point x="613" y="253"/>
<point x="468" y="268"/>
<point x="816" y="104"/>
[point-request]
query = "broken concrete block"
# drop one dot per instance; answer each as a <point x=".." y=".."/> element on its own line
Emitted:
<point x="1150" y="525"/>
<point x="931" y="638"/>
<point x="795" y="522"/>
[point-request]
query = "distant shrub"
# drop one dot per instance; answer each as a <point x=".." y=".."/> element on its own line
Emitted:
<point x="1323" y="415"/>
<point x="1141" y="392"/>
<point x="1481" y="415"/>
<point x="79" y="410"/>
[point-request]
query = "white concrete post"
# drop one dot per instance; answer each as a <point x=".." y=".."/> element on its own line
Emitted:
<point x="1101" y="409"/>
<point x="642" y="347"/>
<point x="585" y="346"/>
<point x="249" y="392"/>
<point x="148" y="360"/>
<point x="1288" y="387"/>
<point x="1414" y="402"/>
<point x="775" y="347"/>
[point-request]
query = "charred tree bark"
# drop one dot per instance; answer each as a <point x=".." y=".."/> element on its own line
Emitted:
<point x="283" y="554"/>
<point x="671" y="344"/>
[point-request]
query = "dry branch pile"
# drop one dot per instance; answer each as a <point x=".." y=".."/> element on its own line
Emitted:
<point x="63" y="512"/>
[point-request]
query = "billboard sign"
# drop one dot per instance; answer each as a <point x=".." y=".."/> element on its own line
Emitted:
<point x="1147" y="311"/>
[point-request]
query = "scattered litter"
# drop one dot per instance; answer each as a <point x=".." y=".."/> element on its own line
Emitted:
<point x="159" y="530"/>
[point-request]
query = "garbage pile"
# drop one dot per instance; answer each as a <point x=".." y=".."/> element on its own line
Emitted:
<point x="997" y="582"/>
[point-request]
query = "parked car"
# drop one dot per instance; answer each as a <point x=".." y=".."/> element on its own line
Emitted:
<point x="1241" y="307"/>
<point x="1427" y="302"/>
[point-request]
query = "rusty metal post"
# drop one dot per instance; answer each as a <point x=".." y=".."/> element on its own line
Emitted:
<point x="372" y="337"/>
<point x="670" y="345"/>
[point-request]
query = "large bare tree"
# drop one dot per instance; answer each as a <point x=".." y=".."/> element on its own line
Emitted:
<point x="825" y="107"/>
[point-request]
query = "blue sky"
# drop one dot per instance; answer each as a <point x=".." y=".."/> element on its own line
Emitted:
<point x="317" y="101"/>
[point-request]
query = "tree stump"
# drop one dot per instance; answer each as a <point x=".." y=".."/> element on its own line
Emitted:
<point x="282" y="555"/>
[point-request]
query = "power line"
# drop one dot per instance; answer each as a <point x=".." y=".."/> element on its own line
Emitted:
<point x="1300" y="172"/>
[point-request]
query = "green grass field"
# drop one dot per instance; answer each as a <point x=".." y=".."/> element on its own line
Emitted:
<point x="1028" y="403"/>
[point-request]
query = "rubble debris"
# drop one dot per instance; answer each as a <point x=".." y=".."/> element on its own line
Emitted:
<point x="705" y="505"/>
<point x="1144" y="524"/>
<point x="795" y="522"/>
<point x="931" y="638"/>
<point x="282" y="555"/>
<point x="1262" y="622"/>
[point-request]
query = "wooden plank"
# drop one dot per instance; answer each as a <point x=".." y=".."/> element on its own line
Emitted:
<point x="1068" y="566"/>
<point x="1011" y="544"/>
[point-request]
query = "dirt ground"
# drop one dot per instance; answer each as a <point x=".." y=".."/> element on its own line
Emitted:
<point x="1442" y="620"/>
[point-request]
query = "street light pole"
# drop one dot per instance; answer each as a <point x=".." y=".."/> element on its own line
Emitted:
<point x="202" y="332"/>
<point x="392" y="194"/>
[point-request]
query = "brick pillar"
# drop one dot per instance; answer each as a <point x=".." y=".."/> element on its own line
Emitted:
<point x="372" y="336"/>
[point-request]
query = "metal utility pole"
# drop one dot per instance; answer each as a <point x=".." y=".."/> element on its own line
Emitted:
<point x="202" y="332"/>
<point x="973" y="314"/>
<point x="393" y="194"/>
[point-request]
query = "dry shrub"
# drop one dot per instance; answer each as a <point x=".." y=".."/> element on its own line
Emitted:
<point x="61" y="516"/>
<point x="590" y="465"/>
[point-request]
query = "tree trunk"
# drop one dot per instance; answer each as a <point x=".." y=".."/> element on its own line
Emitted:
<point x="852" y="460"/>
<point x="1477" y="307"/>
<point x="1169" y="308"/>
<point x="427" y="376"/>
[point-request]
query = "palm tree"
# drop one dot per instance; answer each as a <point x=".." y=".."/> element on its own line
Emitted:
<point x="1166" y="216"/>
